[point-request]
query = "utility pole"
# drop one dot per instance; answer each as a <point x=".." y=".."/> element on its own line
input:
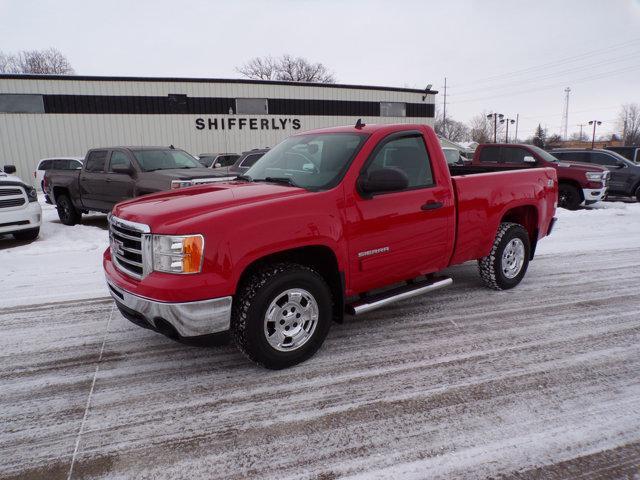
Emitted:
<point x="565" y="112"/>
<point x="507" y="121"/>
<point x="593" y="138"/>
<point x="495" y="117"/>
<point x="517" y="121"/>
<point x="581" y="125"/>
<point x="444" y="110"/>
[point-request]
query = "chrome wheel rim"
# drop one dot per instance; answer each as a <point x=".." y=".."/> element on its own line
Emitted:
<point x="291" y="320"/>
<point x="513" y="258"/>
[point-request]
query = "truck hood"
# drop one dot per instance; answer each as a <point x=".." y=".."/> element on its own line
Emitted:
<point x="585" y="167"/>
<point x="171" y="211"/>
<point x="187" y="173"/>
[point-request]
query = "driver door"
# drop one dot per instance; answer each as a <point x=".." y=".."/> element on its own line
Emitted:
<point x="397" y="236"/>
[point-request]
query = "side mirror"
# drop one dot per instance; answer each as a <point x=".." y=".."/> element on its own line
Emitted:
<point x="529" y="159"/>
<point x="124" y="169"/>
<point x="620" y="165"/>
<point x="384" y="180"/>
<point x="10" y="169"/>
<point x="217" y="165"/>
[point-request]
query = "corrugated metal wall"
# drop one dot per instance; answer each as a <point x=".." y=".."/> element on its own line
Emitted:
<point x="27" y="137"/>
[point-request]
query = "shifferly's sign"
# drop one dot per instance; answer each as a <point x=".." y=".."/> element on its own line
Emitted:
<point x="244" y="123"/>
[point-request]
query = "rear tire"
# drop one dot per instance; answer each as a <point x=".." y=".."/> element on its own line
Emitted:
<point x="27" y="235"/>
<point x="281" y="315"/>
<point x="507" y="263"/>
<point x="637" y="194"/>
<point x="568" y="197"/>
<point x="66" y="211"/>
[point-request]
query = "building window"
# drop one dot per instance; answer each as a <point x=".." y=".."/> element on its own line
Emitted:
<point x="393" y="109"/>
<point x="21" y="103"/>
<point x="252" y="106"/>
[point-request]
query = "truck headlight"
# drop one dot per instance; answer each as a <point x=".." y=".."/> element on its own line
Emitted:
<point x="595" y="176"/>
<point x="180" y="183"/>
<point x="178" y="254"/>
<point x="32" y="195"/>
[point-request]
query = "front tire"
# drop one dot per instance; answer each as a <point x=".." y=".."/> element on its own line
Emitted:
<point x="568" y="197"/>
<point x="27" y="235"/>
<point x="637" y="194"/>
<point x="281" y="315"/>
<point x="507" y="263"/>
<point x="67" y="213"/>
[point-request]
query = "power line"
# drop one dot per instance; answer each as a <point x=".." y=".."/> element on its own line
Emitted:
<point x="568" y="59"/>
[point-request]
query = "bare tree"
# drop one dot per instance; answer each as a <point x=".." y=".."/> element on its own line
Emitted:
<point x="481" y="129"/>
<point x="286" y="68"/>
<point x="578" y="136"/>
<point x="453" y="130"/>
<point x="260" y="68"/>
<point x="629" y="123"/>
<point x="49" y="61"/>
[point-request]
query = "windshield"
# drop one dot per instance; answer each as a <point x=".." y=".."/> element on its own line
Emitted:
<point x="315" y="161"/>
<point x="544" y="154"/>
<point x="206" y="160"/>
<point x="452" y="155"/>
<point x="150" y="160"/>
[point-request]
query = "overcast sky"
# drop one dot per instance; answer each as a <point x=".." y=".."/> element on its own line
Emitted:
<point x="513" y="57"/>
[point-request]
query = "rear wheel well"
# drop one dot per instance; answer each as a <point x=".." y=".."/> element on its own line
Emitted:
<point x="527" y="216"/>
<point x="57" y="191"/>
<point x="319" y="258"/>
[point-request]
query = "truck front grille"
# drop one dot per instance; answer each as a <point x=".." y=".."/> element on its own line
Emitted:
<point x="6" y="192"/>
<point x="12" y="202"/>
<point x="11" y="197"/>
<point x="128" y="241"/>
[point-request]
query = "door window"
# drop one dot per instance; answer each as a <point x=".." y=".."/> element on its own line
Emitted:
<point x="251" y="159"/>
<point x="573" y="156"/>
<point x="490" y="154"/>
<point x="118" y="159"/>
<point x="96" y="161"/>
<point x="603" y="159"/>
<point x="408" y="154"/>
<point x="228" y="160"/>
<point x="514" y="155"/>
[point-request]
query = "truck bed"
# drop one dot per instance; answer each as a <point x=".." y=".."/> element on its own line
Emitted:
<point x="483" y="198"/>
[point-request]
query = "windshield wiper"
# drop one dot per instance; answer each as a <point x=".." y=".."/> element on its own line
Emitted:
<point x="284" y="180"/>
<point x="246" y="178"/>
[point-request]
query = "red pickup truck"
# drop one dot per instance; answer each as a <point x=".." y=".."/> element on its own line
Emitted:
<point x="329" y="221"/>
<point x="578" y="183"/>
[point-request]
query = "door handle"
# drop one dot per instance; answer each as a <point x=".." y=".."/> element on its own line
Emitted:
<point x="431" y="205"/>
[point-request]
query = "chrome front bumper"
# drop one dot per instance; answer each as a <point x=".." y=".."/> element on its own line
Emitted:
<point x="592" y="195"/>
<point x="191" y="319"/>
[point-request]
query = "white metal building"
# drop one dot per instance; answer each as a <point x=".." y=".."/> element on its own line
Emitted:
<point x="43" y="116"/>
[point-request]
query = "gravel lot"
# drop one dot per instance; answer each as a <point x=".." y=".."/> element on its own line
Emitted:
<point x="538" y="382"/>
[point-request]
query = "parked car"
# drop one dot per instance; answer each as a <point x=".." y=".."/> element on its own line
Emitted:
<point x="578" y="183"/>
<point x="275" y="255"/>
<point x="631" y="153"/>
<point x="246" y="161"/>
<point x="453" y="156"/>
<point x="625" y="175"/>
<point x="20" y="212"/>
<point x="111" y="175"/>
<point x="219" y="161"/>
<point x="58" y="163"/>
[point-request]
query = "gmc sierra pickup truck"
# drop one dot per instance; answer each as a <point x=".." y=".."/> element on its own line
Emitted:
<point x="344" y="219"/>
<point x="110" y="175"/>
<point x="578" y="183"/>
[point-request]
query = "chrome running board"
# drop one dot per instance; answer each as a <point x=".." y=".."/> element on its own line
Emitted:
<point x="374" y="302"/>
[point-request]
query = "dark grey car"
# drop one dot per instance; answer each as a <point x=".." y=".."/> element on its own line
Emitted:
<point x="625" y="175"/>
<point x="246" y="161"/>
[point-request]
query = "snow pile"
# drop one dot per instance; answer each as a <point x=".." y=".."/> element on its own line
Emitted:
<point x="64" y="263"/>
<point x="604" y="226"/>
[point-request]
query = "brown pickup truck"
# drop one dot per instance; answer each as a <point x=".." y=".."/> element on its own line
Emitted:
<point x="111" y="175"/>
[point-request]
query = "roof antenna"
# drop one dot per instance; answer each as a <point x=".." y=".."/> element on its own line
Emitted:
<point x="359" y="124"/>
<point x="172" y="147"/>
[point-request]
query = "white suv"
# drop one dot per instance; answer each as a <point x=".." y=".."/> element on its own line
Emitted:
<point x="20" y="212"/>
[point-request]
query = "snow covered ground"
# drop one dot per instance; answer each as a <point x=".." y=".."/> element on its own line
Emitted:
<point x="537" y="382"/>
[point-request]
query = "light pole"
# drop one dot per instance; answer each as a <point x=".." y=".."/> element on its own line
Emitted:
<point x="507" y="121"/>
<point x="593" y="137"/>
<point x="495" y="117"/>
